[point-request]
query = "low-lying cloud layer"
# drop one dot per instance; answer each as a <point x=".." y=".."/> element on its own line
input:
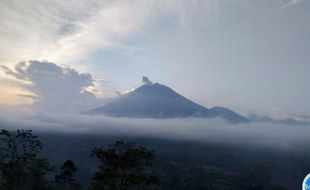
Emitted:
<point x="201" y="130"/>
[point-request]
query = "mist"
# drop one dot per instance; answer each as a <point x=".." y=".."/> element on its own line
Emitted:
<point x="270" y="134"/>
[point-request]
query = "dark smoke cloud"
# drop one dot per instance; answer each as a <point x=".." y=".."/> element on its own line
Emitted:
<point x="146" y="80"/>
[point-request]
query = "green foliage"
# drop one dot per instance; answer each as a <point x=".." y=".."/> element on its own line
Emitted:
<point x="66" y="179"/>
<point x="123" y="166"/>
<point x="21" y="168"/>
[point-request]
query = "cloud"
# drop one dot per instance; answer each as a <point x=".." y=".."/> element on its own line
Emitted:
<point x="292" y="121"/>
<point x="146" y="80"/>
<point x="72" y="31"/>
<point x="274" y="135"/>
<point x="28" y="96"/>
<point x="55" y="88"/>
<point x="66" y="31"/>
<point x="292" y="3"/>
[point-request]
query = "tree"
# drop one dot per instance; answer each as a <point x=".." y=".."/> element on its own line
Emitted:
<point x="21" y="168"/>
<point x="123" y="165"/>
<point x="66" y="179"/>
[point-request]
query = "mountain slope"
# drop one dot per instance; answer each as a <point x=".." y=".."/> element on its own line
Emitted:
<point x="228" y="114"/>
<point x="159" y="101"/>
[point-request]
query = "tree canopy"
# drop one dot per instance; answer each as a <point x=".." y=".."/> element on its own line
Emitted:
<point x="21" y="167"/>
<point x="123" y="165"/>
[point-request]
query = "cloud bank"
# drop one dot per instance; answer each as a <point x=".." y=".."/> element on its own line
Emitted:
<point x="54" y="88"/>
<point x="190" y="129"/>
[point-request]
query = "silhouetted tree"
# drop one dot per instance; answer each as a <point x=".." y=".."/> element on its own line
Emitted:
<point x="66" y="179"/>
<point x="123" y="166"/>
<point x="37" y="171"/>
<point x="21" y="168"/>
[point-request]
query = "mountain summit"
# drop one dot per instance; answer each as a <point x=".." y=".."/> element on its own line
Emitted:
<point x="154" y="100"/>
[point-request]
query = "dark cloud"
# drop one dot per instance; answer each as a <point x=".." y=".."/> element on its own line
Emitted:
<point x="28" y="96"/>
<point x="19" y="72"/>
<point x="56" y="88"/>
<point x="146" y="80"/>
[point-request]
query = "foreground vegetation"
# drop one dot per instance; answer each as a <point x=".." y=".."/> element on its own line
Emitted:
<point x="123" y="165"/>
<point x="83" y="163"/>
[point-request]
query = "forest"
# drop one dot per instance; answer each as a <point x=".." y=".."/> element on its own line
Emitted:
<point x="39" y="161"/>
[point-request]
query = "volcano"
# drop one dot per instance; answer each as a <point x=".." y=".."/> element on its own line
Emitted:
<point x="161" y="102"/>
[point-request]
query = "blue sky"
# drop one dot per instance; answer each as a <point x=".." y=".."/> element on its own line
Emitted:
<point x="251" y="56"/>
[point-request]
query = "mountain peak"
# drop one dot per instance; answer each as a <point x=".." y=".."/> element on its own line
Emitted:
<point x="154" y="100"/>
<point x="155" y="88"/>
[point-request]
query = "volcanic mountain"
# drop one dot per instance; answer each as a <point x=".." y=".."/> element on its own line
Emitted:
<point x="159" y="101"/>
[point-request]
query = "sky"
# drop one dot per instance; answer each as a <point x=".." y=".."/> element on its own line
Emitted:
<point x="250" y="56"/>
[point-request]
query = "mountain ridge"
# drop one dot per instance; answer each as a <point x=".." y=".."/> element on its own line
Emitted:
<point x="160" y="101"/>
